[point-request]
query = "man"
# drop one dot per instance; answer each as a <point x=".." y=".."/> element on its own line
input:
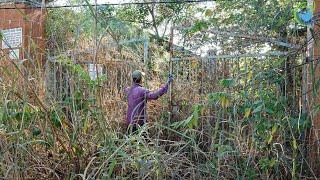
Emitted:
<point x="137" y="97"/>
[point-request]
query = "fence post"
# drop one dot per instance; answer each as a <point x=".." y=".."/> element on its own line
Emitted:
<point x="145" y="58"/>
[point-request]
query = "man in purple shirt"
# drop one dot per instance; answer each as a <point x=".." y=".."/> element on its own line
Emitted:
<point x="137" y="97"/>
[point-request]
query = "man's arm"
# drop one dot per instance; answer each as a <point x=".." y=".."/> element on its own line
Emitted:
<point x="154" y="95"/>
<point x="126" y="92"/>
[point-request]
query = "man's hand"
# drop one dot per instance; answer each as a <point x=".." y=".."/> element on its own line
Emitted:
<point x="170" y="79"/>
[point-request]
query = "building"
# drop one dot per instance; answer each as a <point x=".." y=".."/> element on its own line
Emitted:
<point x="22" y="28"/>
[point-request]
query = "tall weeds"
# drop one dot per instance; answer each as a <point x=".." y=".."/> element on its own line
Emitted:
<point x="242" y="131"/>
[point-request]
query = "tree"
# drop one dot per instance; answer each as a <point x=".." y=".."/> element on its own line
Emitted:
<point x="251" y="26"/>
<point x="60" y="35"/>
<point x="156" y="17"/>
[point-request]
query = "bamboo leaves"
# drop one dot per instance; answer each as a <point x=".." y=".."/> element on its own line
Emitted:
<point x="273" y="131"/>
<point x="227" y="83"/>
<point x="55" y="119"/>
<point x="247" y="112"/>
<point x="258" y="109"/>
<point x="192" y="121"/>
<point x="222" y="98"/>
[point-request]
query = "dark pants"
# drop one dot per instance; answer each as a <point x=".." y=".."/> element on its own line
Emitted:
<point x="132" y="128"/>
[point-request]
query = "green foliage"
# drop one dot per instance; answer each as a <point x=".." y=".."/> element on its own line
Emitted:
<point x="81" y="73"/>
<point x="15" y="112"/>
<point x="198" y="26"/>
<point x="245" y="129"/>
<point x="266" y="163"/>
<point x="227" y="83"/>
<point x="60" y="34"/>
<point x="223" y="98"/>
<point x="55" y="118"/>
<point x="152" y="16"/>
<point x="36" y="132"/>
<point x="192" y="121"/>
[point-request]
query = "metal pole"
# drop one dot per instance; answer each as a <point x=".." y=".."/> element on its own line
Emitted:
<point x="170" y="69"/>
<point x="145" y="58"/>
<point x="95" y="34"/>
<point x="304" y="87"/>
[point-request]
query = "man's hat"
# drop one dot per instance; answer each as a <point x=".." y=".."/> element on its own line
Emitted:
<point x="137" y="74"/>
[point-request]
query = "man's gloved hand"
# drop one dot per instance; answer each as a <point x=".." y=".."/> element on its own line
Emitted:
<point x="170" y="79"/>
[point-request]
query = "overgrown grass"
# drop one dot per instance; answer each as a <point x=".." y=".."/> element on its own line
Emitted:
<point x="243" y="131"/>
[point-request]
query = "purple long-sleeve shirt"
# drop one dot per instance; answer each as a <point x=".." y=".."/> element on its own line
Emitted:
<point x="137" y="102"/>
